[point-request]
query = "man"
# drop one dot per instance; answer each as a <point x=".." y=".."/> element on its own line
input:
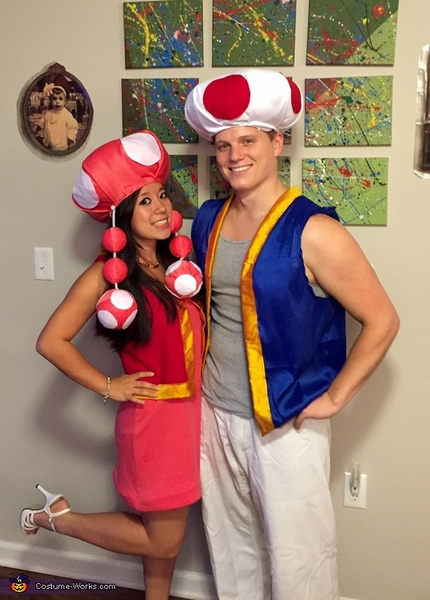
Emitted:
<point x="280" y="272"/>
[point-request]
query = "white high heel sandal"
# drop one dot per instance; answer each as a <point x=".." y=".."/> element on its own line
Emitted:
<point x="27" y="515"/>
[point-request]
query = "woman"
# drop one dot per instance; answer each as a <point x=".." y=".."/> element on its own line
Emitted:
<point x="158" y="421"/>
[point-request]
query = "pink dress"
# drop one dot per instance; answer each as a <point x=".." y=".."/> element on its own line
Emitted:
<point x="158" y="443"/>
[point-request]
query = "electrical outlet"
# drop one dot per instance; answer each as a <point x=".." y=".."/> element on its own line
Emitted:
<point x="351" y="500"/>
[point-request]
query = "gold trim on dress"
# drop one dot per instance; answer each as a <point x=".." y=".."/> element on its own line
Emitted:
<point x="169" y="391"/>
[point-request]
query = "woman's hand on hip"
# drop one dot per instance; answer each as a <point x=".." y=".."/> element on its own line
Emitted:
<point x="126" y="387"/>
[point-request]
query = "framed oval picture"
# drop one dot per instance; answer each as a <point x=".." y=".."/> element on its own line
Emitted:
<point x="57" y="111"/>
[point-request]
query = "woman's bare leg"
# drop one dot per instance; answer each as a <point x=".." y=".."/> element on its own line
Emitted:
<point x="166" y="530"/>
<point x="158" y="575"/>
<point x="155" y="536"/>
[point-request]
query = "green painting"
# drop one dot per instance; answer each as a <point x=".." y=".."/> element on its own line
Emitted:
<point x="253" y="33"/>
<point x="355" y="187"/>
<point x="182" y="186"/>
<point x="157" y="105"/>
<point x="352" y="32"/>
<point x="348" y="111"/>
<point x="163" y="34"/>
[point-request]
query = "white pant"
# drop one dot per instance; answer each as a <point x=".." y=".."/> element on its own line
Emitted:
<point x="267" y="509"/>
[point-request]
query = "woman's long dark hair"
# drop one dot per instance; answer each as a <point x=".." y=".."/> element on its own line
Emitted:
<point x="136" y="282"/>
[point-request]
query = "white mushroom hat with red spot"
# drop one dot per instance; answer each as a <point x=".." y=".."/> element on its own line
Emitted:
<point x="254" y="97"/>
<point x="108" y="176"/>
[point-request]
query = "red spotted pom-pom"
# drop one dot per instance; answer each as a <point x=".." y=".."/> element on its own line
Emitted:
<point x="183" y="279"/>
<point x="116" y="309"/>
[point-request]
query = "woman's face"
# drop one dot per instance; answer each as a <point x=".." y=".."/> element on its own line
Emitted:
<point x="152" y="214"/>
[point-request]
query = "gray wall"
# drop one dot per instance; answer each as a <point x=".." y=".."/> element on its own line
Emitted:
<point x="55" y="433"/>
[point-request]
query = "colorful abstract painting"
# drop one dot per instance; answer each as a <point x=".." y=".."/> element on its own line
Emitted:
<point x="219" y="188"/>
<point x="182" y="187"/>
<point x="163" y="34"/>
<point x="352" y="32"/>
<point x="253" y="33"/>
<point x="158" y="105"/>
<point x="355" y="187"/>
<point x="348" y="111"/>
<point x="288" y="137"/>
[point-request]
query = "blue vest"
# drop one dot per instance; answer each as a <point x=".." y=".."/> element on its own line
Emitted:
<point x="295" y="341"/>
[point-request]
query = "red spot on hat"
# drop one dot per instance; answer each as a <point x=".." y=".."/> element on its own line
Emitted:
<point x="227" y="98"/>
<point x="296" y="97"/>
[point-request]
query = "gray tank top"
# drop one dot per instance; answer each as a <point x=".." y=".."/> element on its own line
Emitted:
<point x="225" y="380"/>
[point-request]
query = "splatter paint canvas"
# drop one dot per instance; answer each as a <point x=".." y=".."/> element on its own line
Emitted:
<point x="254" y="33"/>
<point x="352" y="32"/>
<point x="182" y="185"/>
<point x="219" y="188"/>
<point x="348" y="111"/>
<point x="355" y="187"/>
<point x="163" y="34"/>
<point x="158" y="105"/>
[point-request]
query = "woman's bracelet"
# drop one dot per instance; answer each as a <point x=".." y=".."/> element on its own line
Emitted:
<point x="106" y="395"/>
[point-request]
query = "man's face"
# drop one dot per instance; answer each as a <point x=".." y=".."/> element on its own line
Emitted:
<point x="247" y="156"/>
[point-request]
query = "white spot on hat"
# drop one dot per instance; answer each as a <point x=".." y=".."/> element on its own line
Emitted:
<point x="142" y="148"/>
<point x="84" y="193"/>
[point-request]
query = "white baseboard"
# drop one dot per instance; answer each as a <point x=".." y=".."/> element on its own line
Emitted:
<point x="87" y="567"/>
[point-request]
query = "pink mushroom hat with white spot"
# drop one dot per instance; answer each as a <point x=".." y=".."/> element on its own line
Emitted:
<point x="108" y="176"/>
<point x="117" y="169"/>
<point x="253" y="97"/>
